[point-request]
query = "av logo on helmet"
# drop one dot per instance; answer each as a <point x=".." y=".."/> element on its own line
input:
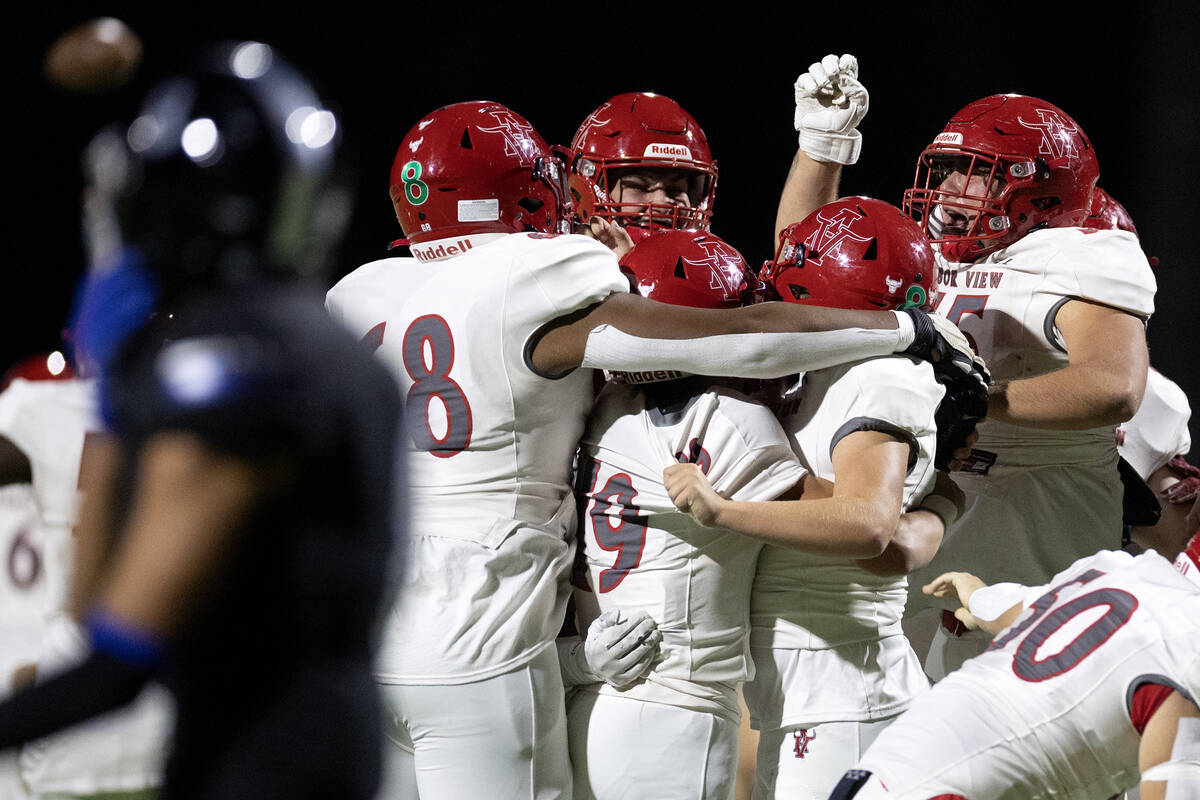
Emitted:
<point x="827" y="240"/>
<point x="664" y="150"/>
<point x="1057" y="136"/>
<point x="517" y="141"/>
<point x="726" y="265"/>
<point x="593" y="121"/>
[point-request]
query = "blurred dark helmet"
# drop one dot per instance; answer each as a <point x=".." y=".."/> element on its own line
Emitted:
<point x="221" y="178"/>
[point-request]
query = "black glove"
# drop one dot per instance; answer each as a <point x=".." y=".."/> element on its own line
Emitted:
<point x="960" y="371"/>
<point x="963" y="406"/>
<point x="943" y="345"/>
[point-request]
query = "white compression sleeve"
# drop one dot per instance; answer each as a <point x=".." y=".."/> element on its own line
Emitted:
<point x="743" y="355"/>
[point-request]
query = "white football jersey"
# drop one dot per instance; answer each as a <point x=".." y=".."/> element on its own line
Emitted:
<point x="827" y="605"/>
<point x="490" y="443"/>
<point x="1046" y="710"/>
<point x="47" y="420"/>
<point x="1159" y="430"/>
<point x="1037" y="499"/>
<point x="1006" y="305"/>
<point x="643" y="554"/>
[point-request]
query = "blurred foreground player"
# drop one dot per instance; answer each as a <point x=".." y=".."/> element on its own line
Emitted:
<point x="1092" y="680"/>
<point x="486" y="328"/>
<point x="236" y="531"/>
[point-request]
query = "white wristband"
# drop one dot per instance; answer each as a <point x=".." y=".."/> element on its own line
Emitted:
<point x="944" y="507"/>
<point x="827" y="146"/>
<point x="990" y="602"/>
<point x="906" y="332"/>
<point x="572" y="663"/>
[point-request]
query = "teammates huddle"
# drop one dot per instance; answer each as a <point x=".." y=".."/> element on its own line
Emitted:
<point x="687" y="581"/>
<point x="594" y="575"/>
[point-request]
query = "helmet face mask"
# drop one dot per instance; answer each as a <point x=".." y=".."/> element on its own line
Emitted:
<point x="1004" y="166"/>
<point x="857" y="253"/>
<point x="647" y="137"/>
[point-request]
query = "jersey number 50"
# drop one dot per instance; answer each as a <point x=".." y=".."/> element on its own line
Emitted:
<point x="1119" y="607"/>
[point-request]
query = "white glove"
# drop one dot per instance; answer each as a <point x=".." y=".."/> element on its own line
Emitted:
<point x="830" y="102"/>
<point x="617" y="650"/>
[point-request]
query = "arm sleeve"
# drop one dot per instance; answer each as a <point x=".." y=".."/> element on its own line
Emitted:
<point x="101" y="683"/>
<point x="744" y="355"/>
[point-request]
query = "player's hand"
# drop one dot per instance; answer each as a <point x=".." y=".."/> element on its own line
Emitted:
<point x="609" y="234"/>
<point x="958" y="586"/>
<point x="960" y="455"/>
<point x="964" y="376"/>
<point x="1187" y="488"/>
<point x="619" y="650"/>
<point x="830" y="102"/>
<point x="692" y="494"/>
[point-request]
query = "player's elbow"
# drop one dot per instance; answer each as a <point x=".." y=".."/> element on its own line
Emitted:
<point x="1128" y="400"/>
<point x="1119" y="400"/>
<point x="875" y="530"/>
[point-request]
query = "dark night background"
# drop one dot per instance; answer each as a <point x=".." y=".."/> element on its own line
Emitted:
<point x="1129" y="80"/>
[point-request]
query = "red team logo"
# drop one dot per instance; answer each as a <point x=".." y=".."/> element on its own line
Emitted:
<point x="828" y="238"/>
<point x="515" y="131"/>
<point x="802" y="740"/>
<point x="1056" y="134"/>
<point x="725" y="265"/>
<point x="593" y="121"/>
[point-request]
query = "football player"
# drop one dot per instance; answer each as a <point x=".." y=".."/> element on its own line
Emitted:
<point x="1092" y="679"/>
<point x="46" y="411"/>
<point x="1154" y="443"/>
<point x="237" y="524"/>
<point x="643" y="556"/>
<point x="486" y="327"/>
<point x="641" y="163"/>
<point x="1059" y="312"/>
<point x="833" y="665"/>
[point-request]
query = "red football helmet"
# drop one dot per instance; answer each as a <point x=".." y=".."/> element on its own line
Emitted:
<point x="1004" y="166"/>
<point x="476" y="167"/>
<point x="1107" y="214"/>
<point x="41" y="367"/>
<point x="856" y="252"/>
<point x="688" y="268"/>
<point x="635" y="132"/>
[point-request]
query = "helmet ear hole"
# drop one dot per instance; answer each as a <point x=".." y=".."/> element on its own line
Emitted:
<point x="1045" y="203"/>
<point x="530" y="204"/>
<point x="798" y="292"/>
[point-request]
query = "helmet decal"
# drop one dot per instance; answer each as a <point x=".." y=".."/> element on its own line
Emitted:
<point x="414" y="189"/>
<point x="1057" y="139"/>
<point x="832" y="231"/>
<point x="515" y="130"/>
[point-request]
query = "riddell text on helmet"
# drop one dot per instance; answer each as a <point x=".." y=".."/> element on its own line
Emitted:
<point x="660" y="150"/>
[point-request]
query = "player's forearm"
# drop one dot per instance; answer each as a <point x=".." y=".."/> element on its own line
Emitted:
<point x="96" y="530"/>
<point x="1072" y="398"/>
<point x="810" y="184"/>
<point x="917" y="538"/>
<point x="843" y="526"/>
<point x="768" y="341"/>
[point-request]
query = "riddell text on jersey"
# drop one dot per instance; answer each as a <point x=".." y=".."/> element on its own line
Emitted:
<point x="441" y="251"/>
